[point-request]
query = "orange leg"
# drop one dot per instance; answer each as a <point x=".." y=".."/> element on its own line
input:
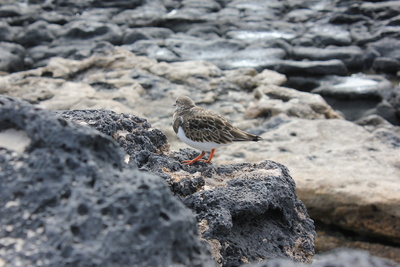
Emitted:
<point x="188" y="162"/>
<point x="210" y="157"/>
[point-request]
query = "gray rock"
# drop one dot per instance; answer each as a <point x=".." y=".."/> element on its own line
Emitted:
<point x="244" y="211"/>
<point x="387" y="47"/>
<point x="149" y="15"/>
<point x="91" y="31"/>
<point x="351" y="56"/>
<point x="386" y="65"/>
<point x="37" y="33"/>
<point x="6" y="32"/>
<point x="324" y="35"/>
<point x="329" y="67"/>
<point x="354" y="87"/>
<point x="77" y="50"/>
<point x="252" y="57"/>
<point x="145" y="33"/>
<point x="251" y="213"/>
<point x="67" y="198"/>
<point x="12" y="57"/>
<point x="337" y="258"/>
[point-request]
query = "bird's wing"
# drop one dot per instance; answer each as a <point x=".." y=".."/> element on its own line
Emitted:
<point x="208" y="127"/>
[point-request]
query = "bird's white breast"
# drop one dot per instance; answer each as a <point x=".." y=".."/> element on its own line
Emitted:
<point x="203" y="146"/>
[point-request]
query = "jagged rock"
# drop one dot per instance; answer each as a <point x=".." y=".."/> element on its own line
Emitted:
<point x="246" y="212"/>
<point x="67" y="197"/>
<point x="249" y="212"/>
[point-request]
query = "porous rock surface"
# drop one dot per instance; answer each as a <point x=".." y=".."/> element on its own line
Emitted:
<point x="68" y="199"/>
<point x="246" y="212"/>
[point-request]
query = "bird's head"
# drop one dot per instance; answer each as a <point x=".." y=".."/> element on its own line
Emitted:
<point x="183" y="103"/>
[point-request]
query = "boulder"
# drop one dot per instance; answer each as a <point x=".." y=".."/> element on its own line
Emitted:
<point x="347" y="176"/>
<point x="246" y="212"/>
<point x="67" y="197"/>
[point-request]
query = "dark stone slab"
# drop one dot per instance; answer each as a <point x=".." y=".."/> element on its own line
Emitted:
<point x="68" y="199"/>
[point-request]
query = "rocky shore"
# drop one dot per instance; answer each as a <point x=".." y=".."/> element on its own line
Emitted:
<point x="90" y="166"/>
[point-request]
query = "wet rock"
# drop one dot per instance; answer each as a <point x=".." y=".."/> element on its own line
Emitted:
<point x="333" y="66"/>
<point x="258" y="58"/>
<point x="368" y="92"/>
<point x="324" y="35"/>
<point x="69" y="197"/>
<point x="354" y="87"/>
<point x="351" y="56"/>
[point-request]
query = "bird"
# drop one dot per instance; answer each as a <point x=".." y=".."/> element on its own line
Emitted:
<point x="204" y="129"/>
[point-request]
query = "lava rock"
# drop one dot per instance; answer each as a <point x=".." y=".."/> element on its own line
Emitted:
<point x="250" y="212"/>
<point x="266" y="193"/>
<point x="68" y="198"/>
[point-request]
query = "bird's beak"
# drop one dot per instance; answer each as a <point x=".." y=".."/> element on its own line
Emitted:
<point x="174" y="105"/>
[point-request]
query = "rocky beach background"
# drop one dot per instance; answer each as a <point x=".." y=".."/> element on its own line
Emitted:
<point x="90" y="171"/>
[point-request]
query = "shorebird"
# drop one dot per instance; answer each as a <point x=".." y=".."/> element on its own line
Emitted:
<point x="204" y="129"/>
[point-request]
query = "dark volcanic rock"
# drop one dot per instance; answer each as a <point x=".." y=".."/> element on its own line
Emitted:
<point x="245" y="212"/>
<point x="251" y="213"/>
<point x="68" y="199"/>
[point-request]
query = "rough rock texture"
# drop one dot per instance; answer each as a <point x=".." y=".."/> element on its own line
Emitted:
<point x="246" y="212"/>
<point x="343" y="165"/>
<point x="337" y="258"/>
<point x="314" y="38"/>
<point x="250" y="213"/>
<point x="68" y="199"/>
